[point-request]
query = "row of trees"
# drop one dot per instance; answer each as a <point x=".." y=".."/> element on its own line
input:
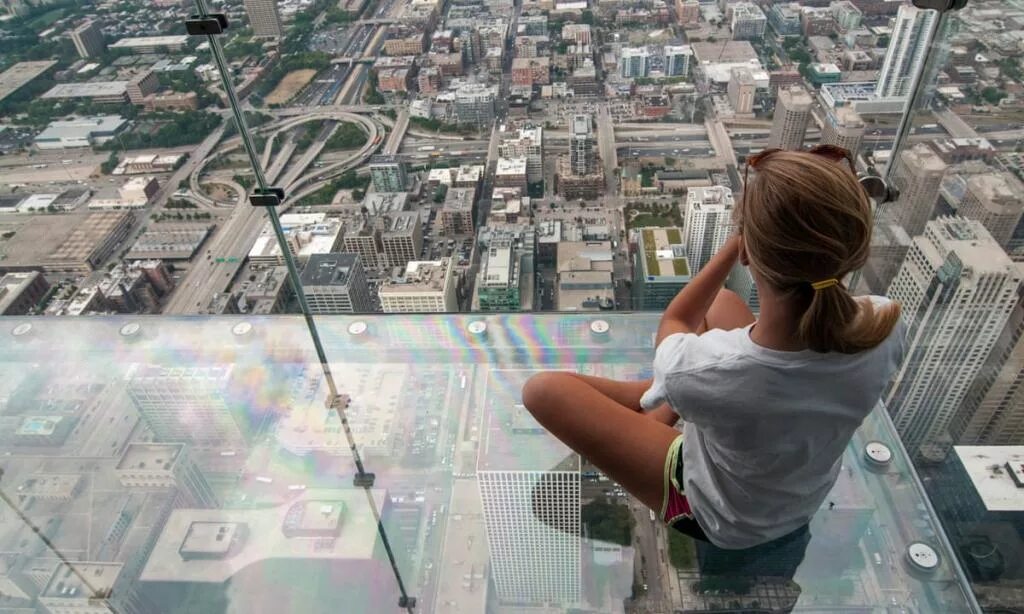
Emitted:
<point x="173" y="130"/>
<point x="346" y="136"/>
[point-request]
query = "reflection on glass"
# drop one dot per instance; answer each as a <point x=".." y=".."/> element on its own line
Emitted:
<point x="242" y="499"/>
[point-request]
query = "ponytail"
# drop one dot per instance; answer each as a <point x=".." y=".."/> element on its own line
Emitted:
<point x="835" y="322"/>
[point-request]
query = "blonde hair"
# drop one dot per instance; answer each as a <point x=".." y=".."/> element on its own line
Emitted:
<point x="804" y="218"/>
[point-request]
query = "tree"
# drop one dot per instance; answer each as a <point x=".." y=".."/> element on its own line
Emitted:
<point x="109" y="164"/>
<point x="670" y="161"/>
<point x="993" y="95"/>
<point x="608" y="522"/>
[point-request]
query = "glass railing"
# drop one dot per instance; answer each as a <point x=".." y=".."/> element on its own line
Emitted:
<point x="191" y="464"/>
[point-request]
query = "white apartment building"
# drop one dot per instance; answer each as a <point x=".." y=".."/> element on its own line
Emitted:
<point x="957" y="288"/>
<point x="708" y="223"/>
<point x="997" y="201"/>
<point x="918" y="175"/>
<point x="906" y="52"/>
<point x="843" y="128"/>
<point x="528" y="143"/>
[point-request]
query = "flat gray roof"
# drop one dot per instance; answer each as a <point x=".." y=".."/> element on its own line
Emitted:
<point x="19" y="75"/>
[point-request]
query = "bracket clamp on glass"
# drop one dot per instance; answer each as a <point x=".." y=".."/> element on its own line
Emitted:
<point x="266" y="197"/>
<point x="364" y="480"/>
<point x="406" y="602"/>
<point x="940" y="5"/>
<point x="206" y="25"/>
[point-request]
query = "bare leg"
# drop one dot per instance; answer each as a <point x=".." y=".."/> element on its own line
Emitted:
<point x="627" y="446"/>
<point x="727" y="312"/>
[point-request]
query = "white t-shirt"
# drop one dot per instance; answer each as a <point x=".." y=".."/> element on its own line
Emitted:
<point x="765" y="429"/>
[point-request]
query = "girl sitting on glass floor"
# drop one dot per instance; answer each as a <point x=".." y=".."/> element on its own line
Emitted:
<point x="769" y="403"/>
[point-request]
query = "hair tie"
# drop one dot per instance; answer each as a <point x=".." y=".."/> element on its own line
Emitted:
<point x="825" y="283"/>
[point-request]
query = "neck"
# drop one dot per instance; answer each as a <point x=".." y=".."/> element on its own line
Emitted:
<point x="778" y="321"/>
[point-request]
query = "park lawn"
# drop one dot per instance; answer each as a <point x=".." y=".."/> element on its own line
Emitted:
<point x="290" y="85"/>
<point x="650" y="219"/>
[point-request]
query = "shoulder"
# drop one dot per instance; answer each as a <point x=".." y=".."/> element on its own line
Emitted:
<point x="682" y="352"/>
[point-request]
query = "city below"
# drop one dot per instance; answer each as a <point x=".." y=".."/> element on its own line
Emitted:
<point x="469" y="165"/>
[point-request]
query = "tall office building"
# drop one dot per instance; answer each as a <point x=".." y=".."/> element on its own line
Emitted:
<point x="846" y="15"/>
<point x="528" y="143"/>
<point x="336" y="283"/>
<point x="677" y="60"/>
<point x="748" y="21"/>
<point x="530" y="490"/>
<point x="708" y="223"/>
<point x="424" y="286"/>
<point x="906" y="53"/>
<point x="843" y="128"/>
<point x="498" y="282"/>
<point x="957" y="288"/>
<point x="993" y="411"/>
<point x="186" y="404"/>
<point x="792" y="114"/>
<point x="918" y="175"/>
<point x="581" y="146"/>
<point x="88" y="39"/>
<point x="264" y="18"/>
<point x="741" y="90"/>
<point x="401" y="238"/>
<point x="634" y="62"/>
<point x="996" y="200"/>
<point x="388" y="174"/>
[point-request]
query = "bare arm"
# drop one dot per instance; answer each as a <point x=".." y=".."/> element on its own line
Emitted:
<point x="688" y="309"/>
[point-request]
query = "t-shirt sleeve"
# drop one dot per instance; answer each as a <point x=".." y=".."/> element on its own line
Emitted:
<point x="667" y="359"/>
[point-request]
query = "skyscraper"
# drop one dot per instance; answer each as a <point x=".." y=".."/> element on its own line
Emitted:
<point x="530" y="489"/>
<point x="474" y="105"/>
<point x="634" y="62"/>
<point x="748" y="21"/>
<point x="996" y="200"/>
<point x="336" y="283"/>
<point x="792" y="113"/>
<point x="918" y="175"/>
<point x="88" y="39"/>
<point x="907" y="49"/>
<point x="581" y="146"/>
<point x="957" y="288"/>
<point x="388" y="174"/>
<point x="264" y="18"/>
<point x="843" y="128"/>
<point x="660" y="267"/>
<point x="708" y="223"/>
<point x="186" y="404"/>
<point x="993" y="412"/>
<point x="677" y="60"/>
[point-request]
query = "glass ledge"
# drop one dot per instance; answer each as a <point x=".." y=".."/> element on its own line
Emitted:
<point x="190" y="464"/>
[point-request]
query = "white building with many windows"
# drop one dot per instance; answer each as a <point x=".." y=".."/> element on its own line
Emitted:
<point x="906" y="52"/>
<point x="708" y="223"/>
<point x="530" y="489"/>
<point x="528" y="143"/>
<point x="957" y="288"/>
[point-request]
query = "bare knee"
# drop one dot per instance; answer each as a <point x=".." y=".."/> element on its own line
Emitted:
<point x="729" y="311"/>
<point x="537" y="392"/>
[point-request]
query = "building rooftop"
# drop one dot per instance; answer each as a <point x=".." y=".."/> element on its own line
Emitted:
<point x="82" y="127"/>
<point x="65" y="583"/>
<point x="20" y="74"/>
<point x="997" y="473"/>
<point x="329" y="269"/>
<point x="306" y="233"/>
<point x="380" y="203"/>
<point x="171" y="244"/>
<point x="725" y="51"/>
<point x="264" y="536"/>
<point x="420" y="276"/>
<point x="973" y="244"/>
<point x="173" y="40"/>
<point x="459" y="199"/>
<point x="1000" y="194"/>
<point x="93" y="89"/>
<point x="59" y="485"/>
<point x="511" y="166"/>
<point x="401" y="223"/>
<point x="664" y="254"/>
<point x="152" y="456"/>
